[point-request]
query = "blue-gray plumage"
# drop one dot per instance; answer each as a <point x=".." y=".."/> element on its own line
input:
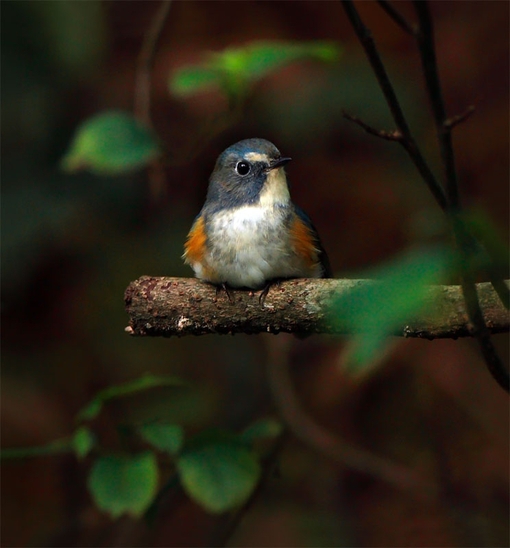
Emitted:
<point x="249" y="233"/>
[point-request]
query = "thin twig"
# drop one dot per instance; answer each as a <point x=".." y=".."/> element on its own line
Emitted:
<point x="453" y="121"/>
<point x="449" y="201"/>
<point x="394" y="135"/>
<point x="479" y="327"/>
<point x="142" y="96"/>
<point x="401" y="21"/>
<point x="425" y="38"/>
<point x="407" y="141"/>
<point x="463" y="239"/>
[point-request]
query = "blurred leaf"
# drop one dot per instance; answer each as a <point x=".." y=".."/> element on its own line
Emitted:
<point x="93" y="408"/>
<point x="234" y="69"/>
<point x="83" y="441"/>
<point x="125" y="483"/>
<point x="261" y="58"/>
<point x="110" y="143"/>
<point x="398" y="293"/>
<point x="218" y="471"/>
<point x="190" y="80"/>
<point x="166" y="437"/>
<point x="264" y="428"/>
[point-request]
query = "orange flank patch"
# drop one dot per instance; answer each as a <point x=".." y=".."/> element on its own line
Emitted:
<point x="304" y="242"/>
<point x="194" y="248"/>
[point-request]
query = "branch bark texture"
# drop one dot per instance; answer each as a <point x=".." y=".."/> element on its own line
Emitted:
<point x="167" y="307"/>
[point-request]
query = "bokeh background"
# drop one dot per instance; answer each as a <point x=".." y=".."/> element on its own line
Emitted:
<point x="72" y="243"/>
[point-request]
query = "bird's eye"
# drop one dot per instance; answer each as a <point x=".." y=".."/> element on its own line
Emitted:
<point x="243" y="168"/>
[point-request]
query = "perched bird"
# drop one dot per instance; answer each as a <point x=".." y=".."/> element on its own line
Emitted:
<point x="249" y="234"/>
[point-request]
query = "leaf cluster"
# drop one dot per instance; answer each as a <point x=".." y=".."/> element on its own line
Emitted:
<point x="217" y="468"/>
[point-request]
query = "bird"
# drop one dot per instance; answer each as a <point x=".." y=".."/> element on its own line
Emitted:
<point x="249" y="234"/>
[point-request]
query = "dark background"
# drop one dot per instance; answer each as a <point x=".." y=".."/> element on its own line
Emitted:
<point x="72" y="243"/>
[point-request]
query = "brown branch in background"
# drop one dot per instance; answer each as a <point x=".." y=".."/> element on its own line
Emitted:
<point x="142" y="93"/>
<point x="167" y="307"/>
<point x="407" y="141"/>
<point x="304" y="427"/>
<point x="143" y="78"/>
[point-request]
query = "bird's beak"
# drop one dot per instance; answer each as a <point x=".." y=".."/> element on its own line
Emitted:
<point x="279" y="163"/>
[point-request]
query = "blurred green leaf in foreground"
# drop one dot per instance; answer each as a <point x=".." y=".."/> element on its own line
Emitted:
<point x="399" y="292"/>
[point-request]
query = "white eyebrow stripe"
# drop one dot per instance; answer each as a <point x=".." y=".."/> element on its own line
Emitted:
<point x="256" y="157"/>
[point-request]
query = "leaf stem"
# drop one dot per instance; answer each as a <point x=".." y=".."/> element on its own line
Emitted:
<point x="63" y="445"/>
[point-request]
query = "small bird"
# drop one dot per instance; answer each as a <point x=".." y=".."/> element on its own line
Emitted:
<point x="249" y="234"/>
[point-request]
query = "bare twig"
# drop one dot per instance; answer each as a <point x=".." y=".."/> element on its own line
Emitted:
<point x="394" y="135"/>
<point x="407" y="141"/>
<point x="463" y="239"/>
<point x="449" y="201"/>
<point x="169" y="307"/>
<point x="145" y="63"/>
<point x="480" y="328"/>
<point x="401" y="21"/>
<point x="427" y="52"/>
<point x="142" y="93"/>
<point x="453" y="121"/>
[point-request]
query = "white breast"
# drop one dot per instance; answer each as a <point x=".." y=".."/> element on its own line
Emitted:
<point x="248" y="246"/>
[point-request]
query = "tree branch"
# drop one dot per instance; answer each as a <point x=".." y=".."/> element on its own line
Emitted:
<point x="407" y="141"/>
<point x="145" y="62"/>
<point x="425" y="38"/>
<point x="306" y="429"/>
<point x="449" y="200"/>
<point x="167" y="307"/>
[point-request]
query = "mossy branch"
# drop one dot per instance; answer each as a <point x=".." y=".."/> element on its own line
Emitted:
<point x="167" y="307"/>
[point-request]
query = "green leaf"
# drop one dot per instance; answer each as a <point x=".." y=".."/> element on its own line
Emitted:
<point x="165" y="437"/>
<point x="122" y="484"/>
<point x="264" y="57"/>
<point x="93" y="408"/>
<point x="234" y="69"/>
<point x="83" y="441"/>
<point x="110" y="143"/>
<point x="398" y="293"/>
<point x="263" y="428"/>
<point x="219" y="474"/>
<point x="190" y="80"/>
